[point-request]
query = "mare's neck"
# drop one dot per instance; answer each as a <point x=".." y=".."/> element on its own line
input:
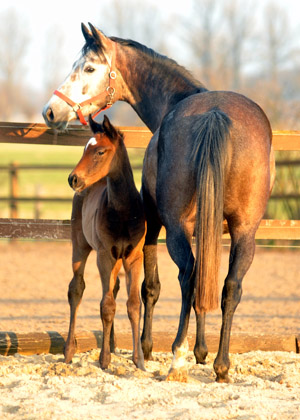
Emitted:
<point x="155" y="83"/>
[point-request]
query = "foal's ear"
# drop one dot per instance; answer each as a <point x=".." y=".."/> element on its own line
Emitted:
<point x="109" y="129"/>
<point x="95" y="127"/>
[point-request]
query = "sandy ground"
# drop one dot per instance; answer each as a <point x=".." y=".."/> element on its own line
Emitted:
<point x="266" y="385"/>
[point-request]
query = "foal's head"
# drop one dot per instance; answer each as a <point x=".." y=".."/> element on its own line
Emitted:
<point x="97" y="160"/>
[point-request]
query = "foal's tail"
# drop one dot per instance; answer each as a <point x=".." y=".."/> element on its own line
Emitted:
<point x="209" y="157"/>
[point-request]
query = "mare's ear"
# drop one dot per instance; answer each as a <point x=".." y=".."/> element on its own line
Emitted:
<point x="109" y="129"/>
<point x="86" y="33"/>
<point x="95" y="127"/>
<point x="99" y="38"/>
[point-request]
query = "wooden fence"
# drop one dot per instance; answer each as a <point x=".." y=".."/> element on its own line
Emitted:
<point x="14" y="198"/>
<point x="138" y="137"/>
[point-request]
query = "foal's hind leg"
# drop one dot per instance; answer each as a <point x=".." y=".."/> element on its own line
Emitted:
<point x="81" y="251"/>
<point x="108" y="269"/>
<point x="241" y="256"/>
<point x="133" y="267"/>
<point x="151" y="283"/>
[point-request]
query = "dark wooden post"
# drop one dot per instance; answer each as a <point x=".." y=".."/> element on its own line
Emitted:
<point x="14" y="189"/>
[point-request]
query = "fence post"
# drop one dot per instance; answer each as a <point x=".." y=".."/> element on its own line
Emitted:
<point x="14" y="189"/>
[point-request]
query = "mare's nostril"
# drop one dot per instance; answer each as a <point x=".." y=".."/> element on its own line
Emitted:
<point x="49" y="114"/>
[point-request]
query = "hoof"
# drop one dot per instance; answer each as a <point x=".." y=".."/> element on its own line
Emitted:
<point x="147" y="350"/>
<point x="139" y="362"/>
<point x="69" y="351"/>
<point x="177" y="375"/>
<point x="200" y="356"/>
<point x="222" y="374"/>
<point x="104" y="360"/>
<point x="224" y="380"/>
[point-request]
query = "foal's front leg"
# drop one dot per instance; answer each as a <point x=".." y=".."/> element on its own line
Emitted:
<point x="108" y="269"/>
<point x="80" y="253"/>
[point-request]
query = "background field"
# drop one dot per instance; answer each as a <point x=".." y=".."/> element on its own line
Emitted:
<point x="46" y="183"/>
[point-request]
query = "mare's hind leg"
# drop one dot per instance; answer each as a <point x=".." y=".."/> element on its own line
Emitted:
<point x="180" y="251"/>
<point x="81" y="251"/>
<point x="241" y="256"/>
<point x="200" y="348"/>
<point x="151" y="283"/>
<point x="133" y="267"/>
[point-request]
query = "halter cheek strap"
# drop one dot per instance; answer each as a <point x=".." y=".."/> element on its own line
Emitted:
<point x="108" y="93"/>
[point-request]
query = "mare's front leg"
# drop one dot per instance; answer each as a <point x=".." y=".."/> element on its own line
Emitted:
<point x="241" y="256"/>
<point x="80" y="253"/>
<point x="133" y="267"/>
<point x="180" y="251"/>
<point x="151" y="283"/>
<point x="108" y="269"/>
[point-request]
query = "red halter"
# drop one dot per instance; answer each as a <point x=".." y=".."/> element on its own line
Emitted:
<point x="109" y="92"/>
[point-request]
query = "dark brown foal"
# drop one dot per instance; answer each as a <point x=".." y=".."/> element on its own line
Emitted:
<point x="108" y="217"/>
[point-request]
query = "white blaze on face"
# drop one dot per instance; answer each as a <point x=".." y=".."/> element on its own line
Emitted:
<point x="92" y="142"/>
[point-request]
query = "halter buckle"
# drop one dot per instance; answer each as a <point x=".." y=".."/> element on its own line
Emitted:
<point x="77" y="107"/>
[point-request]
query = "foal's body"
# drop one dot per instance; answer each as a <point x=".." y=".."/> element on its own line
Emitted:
<point x="108" y="217"/>
<point x="210" y="160"/>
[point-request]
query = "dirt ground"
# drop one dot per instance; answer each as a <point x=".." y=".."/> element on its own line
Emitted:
<point x="34" y="278"/>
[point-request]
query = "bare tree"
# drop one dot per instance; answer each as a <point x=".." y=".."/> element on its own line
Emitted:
<point x="54" y="59"/>
<point x="201" y="36"/>
<point x="14" y="40"/>
<point x="239" y="30"/>
<point x="141" y="22"/>
<point x="135" y="20"/>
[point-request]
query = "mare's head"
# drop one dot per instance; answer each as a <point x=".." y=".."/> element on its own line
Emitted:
<point x="89" y="87"/>
<point x="98" y="155"/>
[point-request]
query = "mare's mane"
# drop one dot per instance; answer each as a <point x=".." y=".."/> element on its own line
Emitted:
<point x="159" y="61"/>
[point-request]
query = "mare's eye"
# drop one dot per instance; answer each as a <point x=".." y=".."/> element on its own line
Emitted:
<point x="100" y="153"/>
<point x="89" y="69"/>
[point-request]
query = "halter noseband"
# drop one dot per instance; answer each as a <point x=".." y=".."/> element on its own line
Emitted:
<point x="109" y="92"/>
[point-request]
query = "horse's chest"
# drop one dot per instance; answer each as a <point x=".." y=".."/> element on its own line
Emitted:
<point x="115" y="232"/>
<point x="118" y="234"/>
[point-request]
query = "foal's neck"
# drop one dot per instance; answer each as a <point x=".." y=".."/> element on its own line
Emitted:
<point x="155" y="83"/>
<point x="121" y="189"/>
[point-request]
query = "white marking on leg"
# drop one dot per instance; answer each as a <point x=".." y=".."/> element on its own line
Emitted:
<point x="179" y="357"/>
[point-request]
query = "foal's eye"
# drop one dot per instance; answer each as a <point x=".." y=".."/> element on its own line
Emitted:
<point x="89" y="69"/>
<point x="100" y="153"/>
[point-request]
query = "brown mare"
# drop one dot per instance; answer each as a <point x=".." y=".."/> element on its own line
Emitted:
<point x="210" y="159"/>
<point x="107" y="216"/>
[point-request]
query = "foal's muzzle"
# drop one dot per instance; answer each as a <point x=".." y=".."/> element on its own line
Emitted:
<point x="76" y="183"/>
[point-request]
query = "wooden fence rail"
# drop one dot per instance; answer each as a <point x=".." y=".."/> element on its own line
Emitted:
<point x="138" y="137"/>
<point x="14" y="168"/>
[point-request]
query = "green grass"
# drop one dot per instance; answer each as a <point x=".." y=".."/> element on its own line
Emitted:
<point x="47" y="182"/>
<point x="54" y="183"/>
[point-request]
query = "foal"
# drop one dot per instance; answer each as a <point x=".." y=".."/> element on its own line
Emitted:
<point x="107" y="216"/>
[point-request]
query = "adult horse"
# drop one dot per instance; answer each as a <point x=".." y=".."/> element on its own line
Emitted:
<point x="210" y="159"/>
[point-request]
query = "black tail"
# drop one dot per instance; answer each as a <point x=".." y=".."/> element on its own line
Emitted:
<point x="209" y="158"/>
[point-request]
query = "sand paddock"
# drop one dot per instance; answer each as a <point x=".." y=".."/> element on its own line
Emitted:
<point x="266" y="385"/>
